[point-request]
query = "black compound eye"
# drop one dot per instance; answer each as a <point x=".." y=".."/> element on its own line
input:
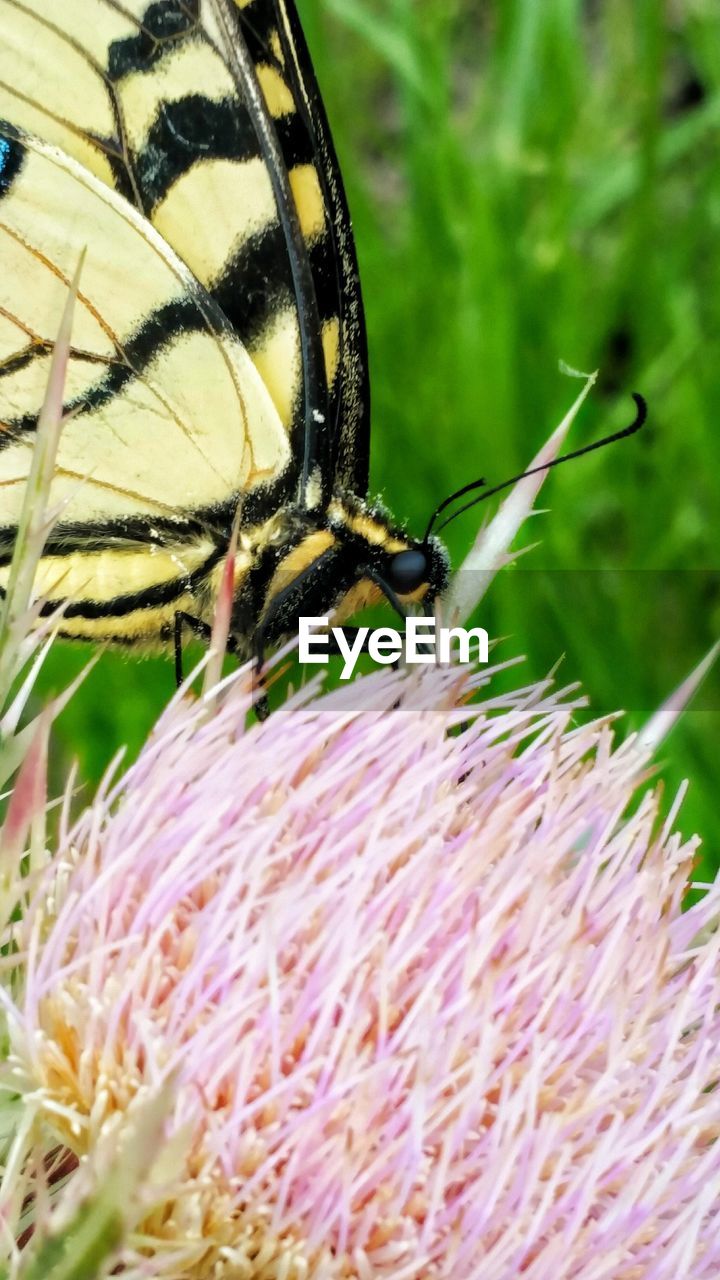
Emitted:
<point x="407" y="571"/>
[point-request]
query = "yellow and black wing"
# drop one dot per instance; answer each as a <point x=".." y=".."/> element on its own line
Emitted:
<point x="198" y="122"/>
<point x="168" y="416"/>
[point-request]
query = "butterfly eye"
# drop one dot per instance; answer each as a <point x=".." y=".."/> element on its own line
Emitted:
<point x="407" y="571"/>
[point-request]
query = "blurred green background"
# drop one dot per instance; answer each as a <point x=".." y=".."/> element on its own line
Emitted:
<point x="531" y="181"/>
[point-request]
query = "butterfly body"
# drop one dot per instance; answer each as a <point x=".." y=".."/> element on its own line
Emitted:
<point x="218" y="370"/>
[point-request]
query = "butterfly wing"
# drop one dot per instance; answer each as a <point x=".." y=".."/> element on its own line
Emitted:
<point x="169" y="420"/>
<point x="205" y="115"/>
<point x="280" y="44"/>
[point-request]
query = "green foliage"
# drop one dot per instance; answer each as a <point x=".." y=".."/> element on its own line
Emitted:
<point x="533" y="182"/>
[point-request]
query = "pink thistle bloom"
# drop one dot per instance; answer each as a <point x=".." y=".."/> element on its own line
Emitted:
<point x="417" y="979"/>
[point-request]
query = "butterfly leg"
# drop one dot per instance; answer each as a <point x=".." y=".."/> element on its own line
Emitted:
<point x="198" y="628"/>
<point x="261" y="706"/>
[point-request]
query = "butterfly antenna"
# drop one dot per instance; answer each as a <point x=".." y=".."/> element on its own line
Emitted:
<point x="446" y="502"/>
<point x="635" y="425"/>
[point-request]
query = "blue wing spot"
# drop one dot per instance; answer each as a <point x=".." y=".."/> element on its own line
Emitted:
<point x="12" y="154"/>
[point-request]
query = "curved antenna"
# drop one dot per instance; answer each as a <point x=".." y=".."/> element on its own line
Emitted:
<point x="446" y="502"/>
<point x="635" y="425"/>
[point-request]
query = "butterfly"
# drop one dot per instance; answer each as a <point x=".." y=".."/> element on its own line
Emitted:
<point x="218" y="374"/>
<point x="218" y="370"/>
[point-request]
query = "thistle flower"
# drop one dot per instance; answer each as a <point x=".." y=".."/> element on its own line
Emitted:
<point x="416" y="980"/>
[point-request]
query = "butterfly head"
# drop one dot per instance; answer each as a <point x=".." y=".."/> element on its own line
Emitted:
<point x="349" y="559"/>
<point x="383" y="560"/>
